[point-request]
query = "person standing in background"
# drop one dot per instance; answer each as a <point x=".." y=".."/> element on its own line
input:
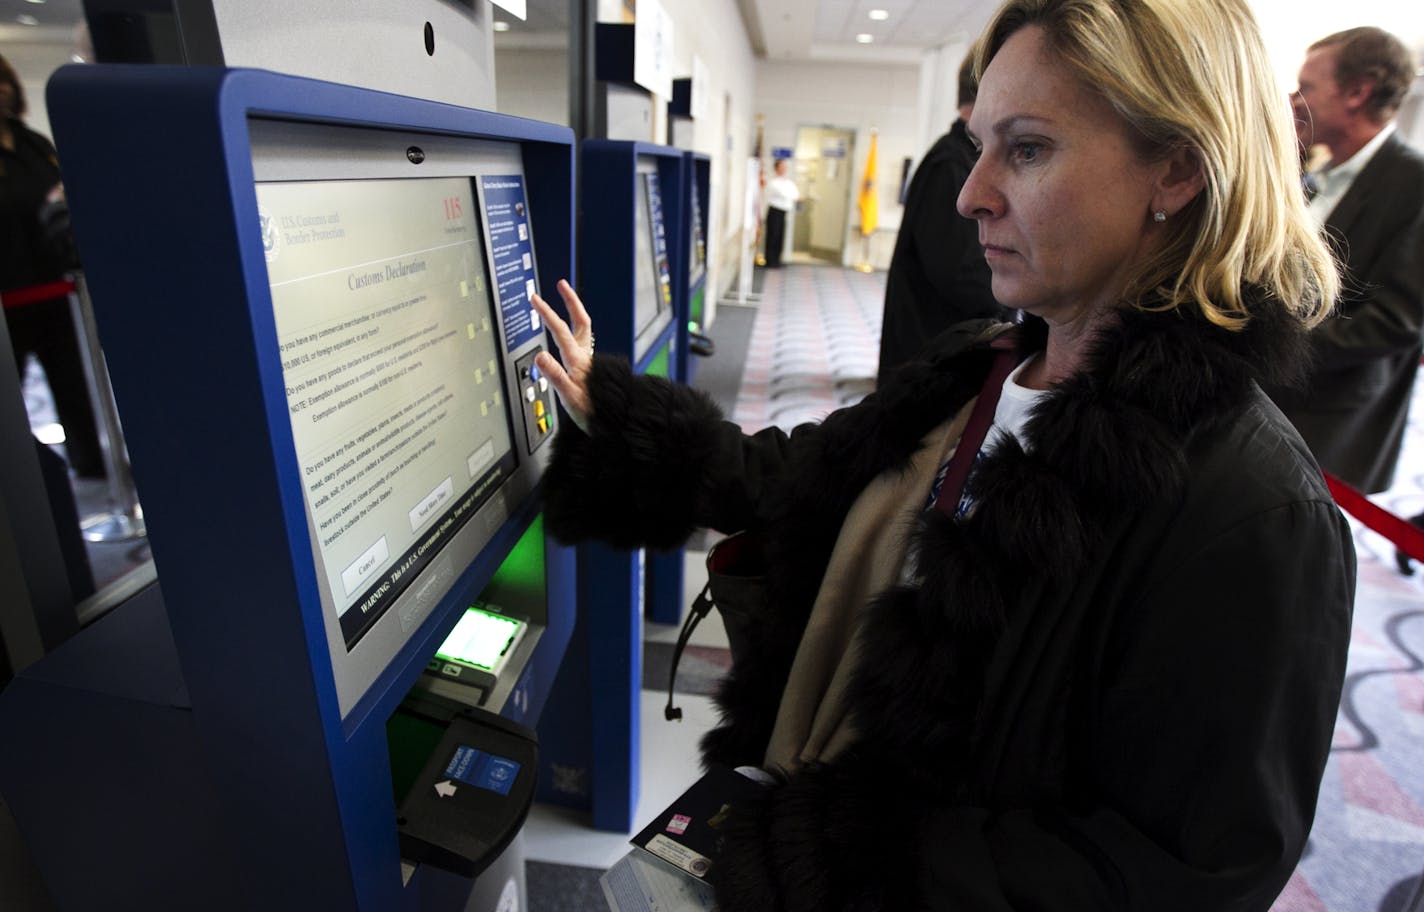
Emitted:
<point x="781" y="196"/>
<point x="938" y="275"/>
<point x="1369" y="198"/>
<point x="33" y="254"/>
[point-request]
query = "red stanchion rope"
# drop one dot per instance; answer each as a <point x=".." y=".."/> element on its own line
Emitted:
<point x="1406" y="536"/>
<point x="19" y="297"/>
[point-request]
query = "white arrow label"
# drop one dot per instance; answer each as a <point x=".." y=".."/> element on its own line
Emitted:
<point x="446" y="789"/>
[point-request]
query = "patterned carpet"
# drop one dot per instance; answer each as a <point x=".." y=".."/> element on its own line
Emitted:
<point x="1367" y="848"/>
<point x="814" y="346"/>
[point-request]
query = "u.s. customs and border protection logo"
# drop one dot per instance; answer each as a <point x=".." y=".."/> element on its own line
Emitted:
<point x="270" y="242"/>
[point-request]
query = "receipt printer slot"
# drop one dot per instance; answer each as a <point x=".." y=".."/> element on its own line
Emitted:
<point x="472" y="795"/>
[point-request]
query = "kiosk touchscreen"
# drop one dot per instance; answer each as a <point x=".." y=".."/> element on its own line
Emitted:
<point x="391" y="368"/>
<point x="315" y="309"/>
<point x="652" y="298"/>
<point x="394" y="299"/>
<point x="690" y="291"/>
<point x="696" y="241"/>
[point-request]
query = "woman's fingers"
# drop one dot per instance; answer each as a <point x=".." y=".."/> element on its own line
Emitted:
<point x="582" y="321"/>
<point x="575" y="344"/>
<point x="563" y="336"/>
<point x="572" y="394"/>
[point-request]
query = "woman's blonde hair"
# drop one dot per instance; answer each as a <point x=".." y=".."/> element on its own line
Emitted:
<point x="1194" y="74"/>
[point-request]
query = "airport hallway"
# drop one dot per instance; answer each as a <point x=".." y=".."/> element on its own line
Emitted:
<point x="808" y="346"/>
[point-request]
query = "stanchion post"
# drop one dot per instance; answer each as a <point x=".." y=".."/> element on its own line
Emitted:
<point x="125" y="521"/>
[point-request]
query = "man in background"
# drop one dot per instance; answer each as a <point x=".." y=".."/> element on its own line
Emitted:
<point x="781" y="196"/>
<point x="1369" y="197"/>
<point x="938" y="276"/>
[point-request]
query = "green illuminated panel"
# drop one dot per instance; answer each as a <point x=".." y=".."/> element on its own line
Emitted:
<point x="519" y="582"/>
<point x="694" y="307"/>
<point x="659" y="366"/>
<point x="480" y="638"/>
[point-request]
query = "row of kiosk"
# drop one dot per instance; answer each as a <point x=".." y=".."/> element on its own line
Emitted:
<point x="363" y="658"/>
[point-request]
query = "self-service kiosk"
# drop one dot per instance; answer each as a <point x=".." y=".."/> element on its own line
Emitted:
<point x="630" y="195"/>
<point x="665" y="589"/>
<point x="314" y="302"/>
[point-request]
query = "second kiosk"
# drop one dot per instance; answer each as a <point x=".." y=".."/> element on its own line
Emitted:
<point x="631" y="196"/>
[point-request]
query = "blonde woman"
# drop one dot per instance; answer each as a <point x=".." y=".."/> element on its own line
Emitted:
<point x="1102" y="672"/>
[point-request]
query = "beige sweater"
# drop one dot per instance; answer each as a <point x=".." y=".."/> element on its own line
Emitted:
<point x="811" y="723"/>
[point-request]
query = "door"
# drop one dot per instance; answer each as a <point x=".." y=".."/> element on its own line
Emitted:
<point x="824" y="160"/>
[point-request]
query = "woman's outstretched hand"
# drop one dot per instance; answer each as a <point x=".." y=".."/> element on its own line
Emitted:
<point x="575" y="343"/>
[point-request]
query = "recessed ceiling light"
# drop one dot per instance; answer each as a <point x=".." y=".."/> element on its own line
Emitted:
<point x="865" y="38"/>
<point x="35" y="1"/>
<point x="501" y="26"/>
<point x="879" y="15"/>
<point x="26" y="19"/>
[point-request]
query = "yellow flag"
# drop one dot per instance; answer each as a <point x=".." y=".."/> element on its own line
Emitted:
<point x="869" y="199"/>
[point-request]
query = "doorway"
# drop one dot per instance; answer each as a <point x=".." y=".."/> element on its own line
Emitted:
<point x="825" y="157"/>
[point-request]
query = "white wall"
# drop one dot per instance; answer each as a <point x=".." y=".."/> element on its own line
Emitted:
<point x="1411" y="114"/>
<point x="939" y="90"/>
<point x="859" y="97"/>
<point x="1290" y="26"/>
<point x="35" y="54"/>
<point x="533" y="82"/>
<point x="712" y="31"/>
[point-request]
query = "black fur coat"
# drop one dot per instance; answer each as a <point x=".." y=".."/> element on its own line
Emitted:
<point x="1116" y="685"/>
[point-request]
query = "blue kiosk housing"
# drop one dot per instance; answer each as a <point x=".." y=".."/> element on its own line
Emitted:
<point x="313" y="300"/>
<point x="687" y="231"/>
<point x="631" y="198"/>
<point x="665" y="587"/>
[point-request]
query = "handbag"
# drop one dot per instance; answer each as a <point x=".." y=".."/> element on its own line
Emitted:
<point x="736" y="587"/>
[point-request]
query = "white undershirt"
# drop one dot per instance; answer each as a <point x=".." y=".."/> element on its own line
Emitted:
<point x="1015" y="404"/>
<point x="1011" y="415"/>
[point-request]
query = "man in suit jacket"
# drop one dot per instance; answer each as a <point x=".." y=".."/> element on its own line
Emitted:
<point x="938" y="275"/>
<point x="1369" y="196"/>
